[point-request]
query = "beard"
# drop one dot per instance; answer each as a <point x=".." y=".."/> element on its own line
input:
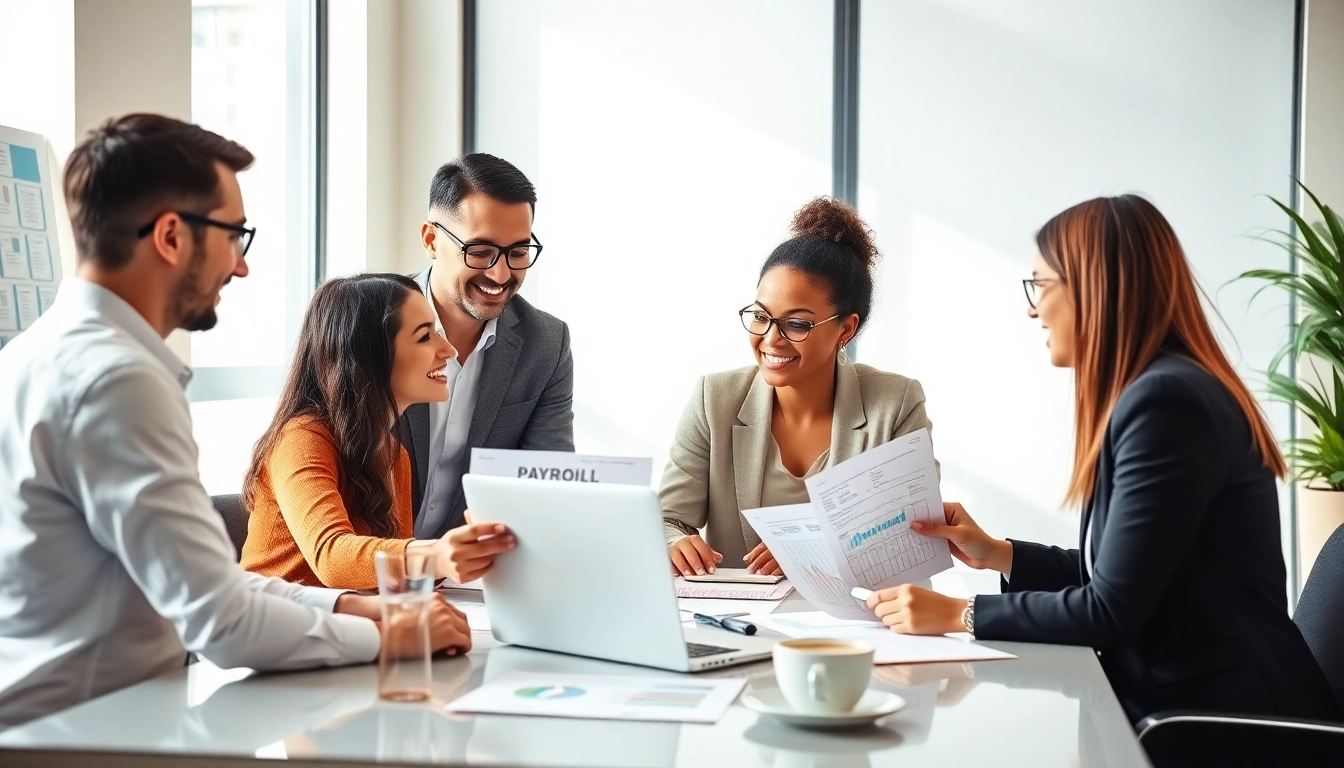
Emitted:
<point x="193" y="304"/>
<point x="487" y="312"/>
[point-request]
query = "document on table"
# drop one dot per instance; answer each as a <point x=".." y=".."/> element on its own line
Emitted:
<point x="729" y="591"/>
<point x="603" y="697"/>
<point x="794" y="536"/>
<point x="712" y="606"/>
<point x="478" y="618"/>
<point x="865" y="507"/>
<point x="888" y="647"/>
<point x="562" y="466"/>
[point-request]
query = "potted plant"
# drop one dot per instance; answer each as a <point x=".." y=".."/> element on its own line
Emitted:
<point x="1317" y="460"/>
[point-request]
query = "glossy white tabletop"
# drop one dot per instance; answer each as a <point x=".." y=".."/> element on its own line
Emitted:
<point x="1050" y="707"/>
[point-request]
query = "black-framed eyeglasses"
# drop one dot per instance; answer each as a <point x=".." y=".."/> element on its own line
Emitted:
<point x="758" y="322"/>
<point x="484" y="255"/>
<point x="245" y="234"/>
<point x="1033" y="286"/>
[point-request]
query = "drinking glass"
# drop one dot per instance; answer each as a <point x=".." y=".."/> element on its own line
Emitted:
<point x="405" y="592"/>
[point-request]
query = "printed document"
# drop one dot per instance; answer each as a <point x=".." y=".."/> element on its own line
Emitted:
<point x="603" y="697"/>
<point x="856" y="530"/>
<point x="562" y="466"/>
<point x="888" y="647"/>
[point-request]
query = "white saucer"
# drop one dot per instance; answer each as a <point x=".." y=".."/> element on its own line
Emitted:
<point x="873" y="706"/>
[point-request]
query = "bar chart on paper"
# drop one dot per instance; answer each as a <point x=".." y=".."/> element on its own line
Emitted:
<point x="887" y="547"/>
<point x="866" y="506"/>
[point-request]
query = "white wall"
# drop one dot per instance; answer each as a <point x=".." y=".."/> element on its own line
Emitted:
<point x="980" y="121"/>
<point x="670" y="144"/>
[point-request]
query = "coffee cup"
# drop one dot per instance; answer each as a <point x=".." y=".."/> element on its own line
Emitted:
<point x="823" y="675"/>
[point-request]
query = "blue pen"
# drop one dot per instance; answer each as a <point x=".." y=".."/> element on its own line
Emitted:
<point x="732" y="625"/>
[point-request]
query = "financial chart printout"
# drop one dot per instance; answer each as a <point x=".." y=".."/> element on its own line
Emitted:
<point x="865" y="507"/>
<point x="794" y="536"/>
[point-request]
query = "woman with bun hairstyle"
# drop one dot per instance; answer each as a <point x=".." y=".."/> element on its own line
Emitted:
<point x="749" y="437"/>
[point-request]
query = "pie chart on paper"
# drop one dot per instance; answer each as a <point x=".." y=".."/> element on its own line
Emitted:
<point x="549" y="692"/>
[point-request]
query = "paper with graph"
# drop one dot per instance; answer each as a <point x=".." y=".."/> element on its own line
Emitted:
<point x="794" y="536"/>
<point x="856" y="530"/>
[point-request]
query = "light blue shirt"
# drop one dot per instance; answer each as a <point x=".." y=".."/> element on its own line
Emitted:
<point x="113" y="561"/>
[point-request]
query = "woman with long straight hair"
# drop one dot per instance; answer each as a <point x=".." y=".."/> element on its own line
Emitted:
<point x="1179" y="580"/>
<point x="330" y="482"/>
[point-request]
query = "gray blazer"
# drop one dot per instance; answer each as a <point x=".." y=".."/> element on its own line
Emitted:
<point x="717" y="461"/>
<point x="525" y="400"/>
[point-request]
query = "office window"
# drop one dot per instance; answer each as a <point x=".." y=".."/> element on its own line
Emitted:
<point x="670" y="144"/>
<point x="252" y="81"/>
<point x="981" y="120"/>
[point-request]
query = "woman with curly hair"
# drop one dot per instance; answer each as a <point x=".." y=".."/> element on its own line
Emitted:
<point x="750" y="437"/>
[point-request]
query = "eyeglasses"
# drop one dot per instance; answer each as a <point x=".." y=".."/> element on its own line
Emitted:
<point x="484" y="255"/>
<point x="1033" y="286"/>
<point x="245" y="234"/>
<point x="795" y="329"/>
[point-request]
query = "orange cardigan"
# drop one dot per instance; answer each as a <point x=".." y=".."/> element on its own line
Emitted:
<point x="299" y="529"/>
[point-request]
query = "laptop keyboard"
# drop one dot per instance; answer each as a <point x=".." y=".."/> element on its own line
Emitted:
<point x="697" y="650"/>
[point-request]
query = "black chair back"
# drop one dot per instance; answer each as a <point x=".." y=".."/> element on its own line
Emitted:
<point x="1320" y="612"/>
<point x="235" y="516"/>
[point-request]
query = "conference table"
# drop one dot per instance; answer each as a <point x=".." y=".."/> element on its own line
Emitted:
<point x="1051" y="706"/>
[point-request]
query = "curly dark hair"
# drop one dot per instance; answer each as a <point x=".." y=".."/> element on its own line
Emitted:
<point x="832" y="244"/>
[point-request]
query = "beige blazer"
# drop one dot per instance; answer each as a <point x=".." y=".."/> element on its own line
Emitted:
<point x="717" y="461"/>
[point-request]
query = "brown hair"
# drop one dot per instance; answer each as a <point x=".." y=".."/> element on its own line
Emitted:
<point x="1133" y="295"/>
<point x="342" y="377"/>
<point x="832" y="244"/>
<point x="130" y="169"/>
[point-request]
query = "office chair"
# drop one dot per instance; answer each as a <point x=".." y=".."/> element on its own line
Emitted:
<point x="235" y="516"/>
<point x="1203" y="738"/>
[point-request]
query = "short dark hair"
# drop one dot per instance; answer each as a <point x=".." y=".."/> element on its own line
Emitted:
<point x="479" y="172"/>
<point x="831" y="244"/>
<point x="133" y="168"/>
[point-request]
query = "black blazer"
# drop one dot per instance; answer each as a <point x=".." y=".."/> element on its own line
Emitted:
<point x="1186" y="603"/>
<point x="525" y="399"/>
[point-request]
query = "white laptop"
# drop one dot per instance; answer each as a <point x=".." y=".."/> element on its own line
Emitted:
<point x="590" y="577"/>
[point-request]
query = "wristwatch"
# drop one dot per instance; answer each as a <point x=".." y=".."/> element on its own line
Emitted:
<point x="968" y="615"/>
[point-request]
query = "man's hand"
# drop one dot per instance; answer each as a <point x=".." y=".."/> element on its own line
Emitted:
<point x="448" y="632"/>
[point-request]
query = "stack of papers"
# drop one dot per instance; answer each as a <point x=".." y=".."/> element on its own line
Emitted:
<point x="728" y="591"/>
<point x="719" y="607"/>
<point x="888" y="647"/>
<point x="603" y="697"/>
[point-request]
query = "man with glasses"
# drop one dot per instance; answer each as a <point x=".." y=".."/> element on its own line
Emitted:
<point x="512" y="382"/>
<point x="113" y="560"/>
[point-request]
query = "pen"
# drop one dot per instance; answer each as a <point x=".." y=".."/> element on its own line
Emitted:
<point x="732" y="625"/>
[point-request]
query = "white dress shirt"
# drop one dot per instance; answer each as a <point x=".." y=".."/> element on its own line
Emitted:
<point x="113" y="561"/>
<point x="449" y="425"/>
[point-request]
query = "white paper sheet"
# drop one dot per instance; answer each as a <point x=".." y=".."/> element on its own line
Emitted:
<point x="888" y="647"/>
<point x="720" y="607"/>
<point x="865" y="507"/>
<point x="603" y="697"/>
<point x="478" y="618"/>
<point x="562" y="466"/>
<point x="733" y="591"/>
<point x="795" y="538"/>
